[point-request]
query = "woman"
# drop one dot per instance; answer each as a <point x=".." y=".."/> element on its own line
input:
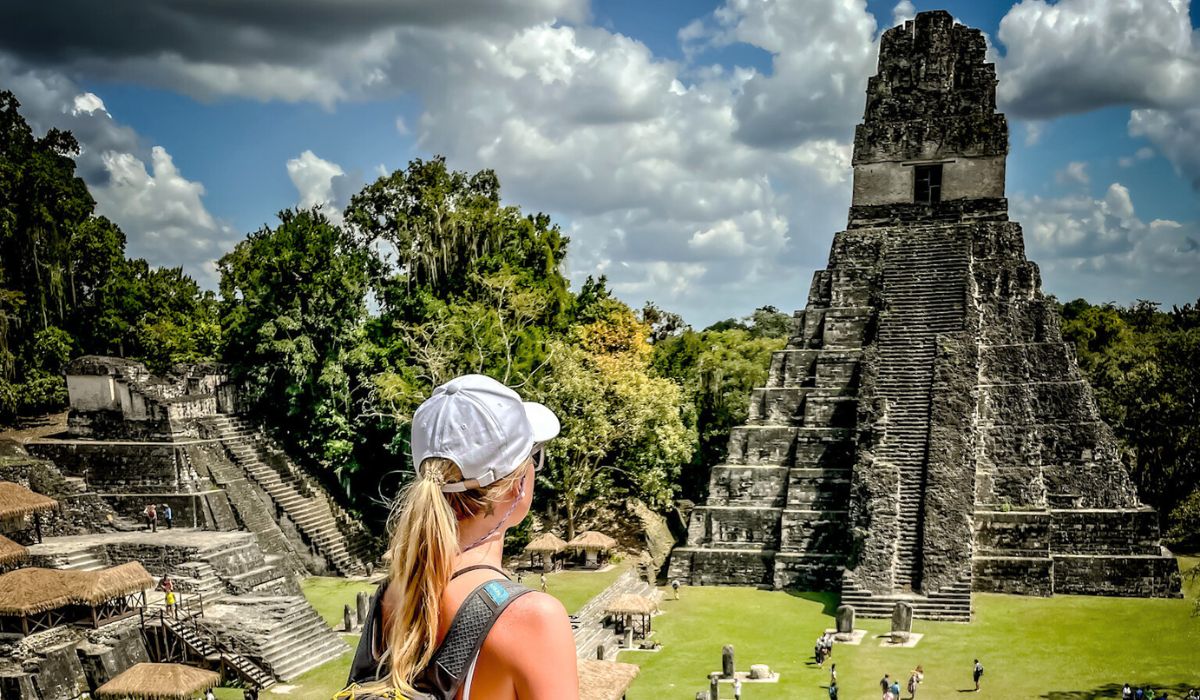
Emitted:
<point x="447" y="623"/>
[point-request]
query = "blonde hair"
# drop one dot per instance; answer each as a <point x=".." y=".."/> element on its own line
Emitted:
<point x="424" y="524"/>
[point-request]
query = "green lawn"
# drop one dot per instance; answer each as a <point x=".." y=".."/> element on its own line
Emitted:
<point x="1063" y="648"/>
<point x="329" y="595"/>
<point x="574" y="588"/>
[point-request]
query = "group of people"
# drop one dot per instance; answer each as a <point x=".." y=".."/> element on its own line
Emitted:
<point x="152" y="513"/>
<point x="1139" y="693"/>
<point x="891" y="686"/>
<point x="823" y="649"/>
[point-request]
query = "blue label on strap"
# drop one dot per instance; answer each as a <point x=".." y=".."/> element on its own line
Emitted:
<point x="498" y="592"/>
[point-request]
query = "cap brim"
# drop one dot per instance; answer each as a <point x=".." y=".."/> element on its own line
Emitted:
<point x="545" y="423"/>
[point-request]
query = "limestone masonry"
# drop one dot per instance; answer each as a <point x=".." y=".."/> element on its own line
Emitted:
<point x="926" y="432"/>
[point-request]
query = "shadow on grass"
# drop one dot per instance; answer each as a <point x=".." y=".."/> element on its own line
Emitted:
<point x="1113" y="690"/>
<point x="828" y="601"/>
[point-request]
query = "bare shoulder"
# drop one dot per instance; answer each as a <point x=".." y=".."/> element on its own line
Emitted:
<point x="533" y="611"/>
<point x="533" y="621"/>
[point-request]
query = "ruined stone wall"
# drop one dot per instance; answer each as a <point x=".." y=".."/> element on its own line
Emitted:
<point x="123" y="468"/>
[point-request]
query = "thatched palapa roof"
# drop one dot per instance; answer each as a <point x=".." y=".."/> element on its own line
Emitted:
<point x="35" y="590"/>
<point x="604" y="680"/>
<point x="546" y="543"/>
<point x="592" y="540"/>
<point x="11" y="551"/>
<point x="630" y="604"/>
<point x="16" y="501"/>
<point x="146" y="680"/>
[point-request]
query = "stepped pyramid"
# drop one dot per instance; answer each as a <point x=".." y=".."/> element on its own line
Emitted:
<point x="926" y="432"/>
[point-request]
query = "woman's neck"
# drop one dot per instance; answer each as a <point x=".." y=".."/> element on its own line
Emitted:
<point x="490" y="551"/>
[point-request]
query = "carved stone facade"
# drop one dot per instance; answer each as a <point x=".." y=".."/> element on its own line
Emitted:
<point x="926" y="431"/>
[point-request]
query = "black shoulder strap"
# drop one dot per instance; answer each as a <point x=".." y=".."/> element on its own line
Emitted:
<point x="447" y="670"/>
<point x="475" y="618"/>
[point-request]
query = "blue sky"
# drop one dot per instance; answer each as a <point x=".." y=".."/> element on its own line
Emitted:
<point x="695" y="152"/>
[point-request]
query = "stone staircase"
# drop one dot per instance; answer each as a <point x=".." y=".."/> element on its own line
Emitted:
<point x="201" y="644"/>
<point x="200" y="579"/>
<point x="253" y="513"/>
<point x="305" y="504"/>
<point x="301" y="641"/>
<point x="953" y="604"/>
<point x="282" y="634"/>
<point x="589" y="622"/>
<point x="925" y="286"/>
<point x="83" y="560"/>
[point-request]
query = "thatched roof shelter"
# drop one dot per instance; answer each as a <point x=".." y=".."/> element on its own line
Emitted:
<point x="630" y="604"/>
<point x="592" y="540"/>
<point x="11" y="551"/>
<point x="154" y="681"/>
<point x="99" y="586"/>
<point x="36" y="590"/>
<point x="16" y="501"/>
<point x="546" y="543"/>
<point x="604" y="680"/>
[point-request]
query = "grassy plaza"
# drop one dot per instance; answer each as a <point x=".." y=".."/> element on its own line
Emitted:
<point x="1061" y="648"/>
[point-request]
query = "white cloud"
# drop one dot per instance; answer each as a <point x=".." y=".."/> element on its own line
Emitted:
<point x="1141" y="53"/>
<point x="87" y="103"/>
<point x="315" y="178"/>
<point x="902" y="12"/>
<point x="1101" y="250"/>
<point x="1141" y="154"/>
<point x="1033" y="132"/>
<point x="1074" y="173"/>
<point x="1176" y="133"/>
<point x="821" y="55"/>
<point x="161" y="212"/>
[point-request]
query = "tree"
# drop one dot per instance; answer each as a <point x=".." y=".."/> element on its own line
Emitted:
<point x="63" y="275"/>
<point x="718" y="369"/>
<point x="292" y="309"/>
<point x="623" y="429"/>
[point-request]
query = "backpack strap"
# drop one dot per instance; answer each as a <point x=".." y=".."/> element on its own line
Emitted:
<point x="474" y="619"/>
<point x="454" y="656"/>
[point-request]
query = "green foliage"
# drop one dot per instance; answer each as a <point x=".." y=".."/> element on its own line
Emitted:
<point x="622" y="429"/>
<point x="65" y="286"/>
<point x="718" y="368"/>
<point x="1144" y="365"/>
<point x="293" y="305"/>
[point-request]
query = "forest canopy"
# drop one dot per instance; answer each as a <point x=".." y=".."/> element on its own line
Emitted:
<point x="338" y="331"/>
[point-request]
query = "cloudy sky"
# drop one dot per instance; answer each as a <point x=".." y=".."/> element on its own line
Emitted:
<point x="696" y="152"/>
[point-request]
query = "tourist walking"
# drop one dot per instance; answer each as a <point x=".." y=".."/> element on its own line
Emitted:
<point x="210" y="695"/>
<point x="151" y="518"/>
<point x="675" y="588"/>
<point x="833" y="690"/>
<point x="167" y="515"/>
<point x="977" y="673"/>
<point x="475" y="447"/>
<point x="1126" y="693"/>
<point x="895" y="689"/>
<point x="832" y="674"/>
<point x="819" y="652"/>
<point x="543" y="583"/>
<point x="915" y="679"/>
<point x="737" y="689"/>
<point x="885" y="683"/>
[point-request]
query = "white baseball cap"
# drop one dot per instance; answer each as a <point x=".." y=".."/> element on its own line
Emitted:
<point x="482" y="426"/>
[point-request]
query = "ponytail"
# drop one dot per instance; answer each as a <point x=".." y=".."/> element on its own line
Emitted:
<point x="424" y="546"/>
<point x="423" y="551"/>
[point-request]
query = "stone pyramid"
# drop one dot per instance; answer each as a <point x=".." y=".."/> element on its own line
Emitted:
<point x="926" y="432"/>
